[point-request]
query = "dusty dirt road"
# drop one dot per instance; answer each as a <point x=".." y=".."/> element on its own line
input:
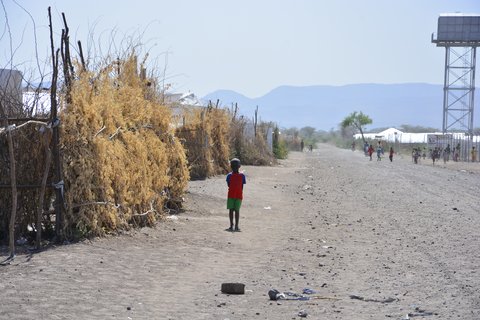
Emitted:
<point x="377" y="240"/>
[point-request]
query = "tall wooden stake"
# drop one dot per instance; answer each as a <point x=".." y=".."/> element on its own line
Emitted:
<point x="82" y="59"/>
<point x="255" y="122"/>
<point x="56" y="140"/>
<point x="48" y="161"/>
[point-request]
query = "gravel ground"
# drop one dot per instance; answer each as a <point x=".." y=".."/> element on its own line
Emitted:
<point x="374" y="240"/>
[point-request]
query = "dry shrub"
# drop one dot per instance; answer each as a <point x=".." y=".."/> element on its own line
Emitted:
<point x="247" y="146"/>
<point x="122" y="163"/>
<point x="219" y="121"/>
<point x="205" y="137"/>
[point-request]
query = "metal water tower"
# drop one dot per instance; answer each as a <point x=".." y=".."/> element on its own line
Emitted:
<point x="459" y="33"/>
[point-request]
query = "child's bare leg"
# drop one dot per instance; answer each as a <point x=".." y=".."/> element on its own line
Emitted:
<point x="230" y="213"/>
<point x="237" y="217"/>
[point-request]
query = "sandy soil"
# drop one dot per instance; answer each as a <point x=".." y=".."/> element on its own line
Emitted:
<point x="404" y="238"/>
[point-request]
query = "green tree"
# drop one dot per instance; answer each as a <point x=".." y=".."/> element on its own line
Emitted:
<point x="309" y="135"/>
<point x="356" y="120"/>
<point x="280" y="150"/>
<point x="308" y="132"/>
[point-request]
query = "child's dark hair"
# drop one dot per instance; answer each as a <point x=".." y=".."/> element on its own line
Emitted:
<point x="235" y="163"/>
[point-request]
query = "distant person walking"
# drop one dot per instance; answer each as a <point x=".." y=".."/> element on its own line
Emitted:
<point x="474" y="154"/>
<point x="446" y="153"/>
<point x="302" y="145"/>
<point x="370" y="151"/>
<point x="415" y="155"/>
<point x="435" y="155"/>
<point x="456" y="153"/>
<point x="235" y="182"/>
<point x="390" y="155"/>
<point x="379" y="152"/>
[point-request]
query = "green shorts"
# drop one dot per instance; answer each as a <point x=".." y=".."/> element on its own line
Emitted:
<point x="234" y="204"/>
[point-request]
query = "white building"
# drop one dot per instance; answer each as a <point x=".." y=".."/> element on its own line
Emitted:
<point x="395" y="135"/>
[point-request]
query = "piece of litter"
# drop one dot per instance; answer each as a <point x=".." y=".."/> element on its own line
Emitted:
<point x="171" y="217"/>
<point x="327" y="247"/>
<point x="387" y="300"/>
<point x="267" y="208"/>
<point x="309" y="291"/>
<point x="303" y="314"/>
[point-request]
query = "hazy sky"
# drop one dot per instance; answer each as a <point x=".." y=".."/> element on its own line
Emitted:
<point x="250" y="46"/>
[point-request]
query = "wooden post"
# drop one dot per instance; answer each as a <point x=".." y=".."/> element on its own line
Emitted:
<point x="56" y="140"/>
<point x="82" y="59"/>
<point x="143" y="73"/>
<point x="48" y="160"/>
<point x="255" y="122"/>
<point x="67" y="47"/>
<point x="235" y="110"/>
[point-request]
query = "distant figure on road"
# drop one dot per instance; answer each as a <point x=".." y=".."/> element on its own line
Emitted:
<point x="365" y="148"/>
<point x="435" y="155"/>
<point x="353" y="146"/>
<point x="235" y="182"/>
<point x="446" y="153"/>
<point x="302" y="145"/>
<point x="310" y="147"/>
<point x="390" y="156"/>
<point x="379" y="152"/>
<point x="415" y="155"/>
<point x="370" y="151"/>
<point x="456" y="153"/>
<point x="474" y="154"/>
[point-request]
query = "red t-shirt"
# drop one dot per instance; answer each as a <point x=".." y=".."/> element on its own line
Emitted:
<point x="235" y="182"/>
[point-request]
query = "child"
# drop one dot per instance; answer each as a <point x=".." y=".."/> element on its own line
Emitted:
<point x="379" y="152"/>
<point x="235" y="182"/>
<point x="370" y="151"/>
<point x="390" y="156"/>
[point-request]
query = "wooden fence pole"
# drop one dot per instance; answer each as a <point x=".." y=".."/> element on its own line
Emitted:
<point x="48" y="160"/>
<point x="56" y="140"/>
<point x="256" y="122"/>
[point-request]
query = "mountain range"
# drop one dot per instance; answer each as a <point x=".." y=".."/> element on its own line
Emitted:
<point x="324" y="107"/>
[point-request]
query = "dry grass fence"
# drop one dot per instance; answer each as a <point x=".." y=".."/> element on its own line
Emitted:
<point x="30" y="158"/>
<point x="248" y="139"/>
<point x="204" y="134"/>
<point x="211" y="135"/>
<point x="122" y="162"/>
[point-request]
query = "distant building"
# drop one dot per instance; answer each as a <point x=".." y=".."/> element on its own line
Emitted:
<point x="396" y="136"/>
<point x="10" y="87"/>
<point x="185" y="99"/>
